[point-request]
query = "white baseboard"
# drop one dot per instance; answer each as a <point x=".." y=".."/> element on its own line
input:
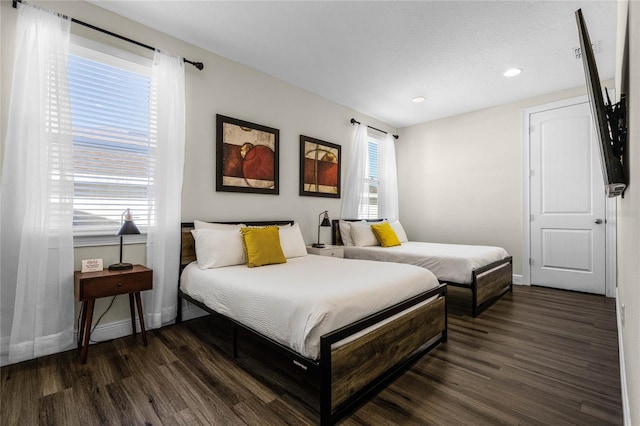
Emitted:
<point x="110" y="331"/>
<point x="518" y="279"/>
<point x="4" y="351"/>
<point x="626" y="409"/>
<point x="102" y="333"/>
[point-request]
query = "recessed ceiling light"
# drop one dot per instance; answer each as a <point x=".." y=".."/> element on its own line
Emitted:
<point x="418" y="99"/>
<point x="512" y="72"/>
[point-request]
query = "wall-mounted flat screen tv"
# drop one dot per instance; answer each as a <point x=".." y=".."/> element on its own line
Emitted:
<point x="609" y="119"/>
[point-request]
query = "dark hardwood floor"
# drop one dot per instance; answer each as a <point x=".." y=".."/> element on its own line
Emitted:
<point x="537" y="356"/>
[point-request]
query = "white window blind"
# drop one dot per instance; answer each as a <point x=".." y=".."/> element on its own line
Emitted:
<point x="369" y="206"/>
<point x="113" y="140"/>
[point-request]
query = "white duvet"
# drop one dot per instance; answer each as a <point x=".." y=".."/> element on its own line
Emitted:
<point x="297" y="302"/>
<point x="449" y="262"/>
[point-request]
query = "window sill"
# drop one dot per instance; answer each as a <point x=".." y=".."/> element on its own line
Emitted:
<point x="107" y="240"/>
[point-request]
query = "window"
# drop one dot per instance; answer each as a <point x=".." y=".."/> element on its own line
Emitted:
<point x="369" y="206"/>
<point x="113" y="137"/>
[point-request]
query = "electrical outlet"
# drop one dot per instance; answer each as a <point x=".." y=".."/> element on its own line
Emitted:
<point x="622" y="314"/>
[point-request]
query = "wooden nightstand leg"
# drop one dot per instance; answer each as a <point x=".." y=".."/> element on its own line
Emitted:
<point x="83" y="319"/>
<point x="87" y="331"/>
<point x="133" y="315"/>
<point x="141" y="318"/>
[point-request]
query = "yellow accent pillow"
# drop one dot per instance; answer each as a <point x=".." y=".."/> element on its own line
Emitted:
<point x="385" y="234"/>
<point x="262" y="246"/>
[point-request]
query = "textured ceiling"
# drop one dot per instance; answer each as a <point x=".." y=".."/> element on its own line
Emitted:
<point x="375" y="56"/>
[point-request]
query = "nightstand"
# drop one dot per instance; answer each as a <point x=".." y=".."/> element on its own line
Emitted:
<point x="327" y="250"/>
<point x="90" y="286"/>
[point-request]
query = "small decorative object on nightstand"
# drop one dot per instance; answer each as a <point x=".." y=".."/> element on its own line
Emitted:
<point x="92" y="285"/>
<point x="325" y="222"/>
<point x="326" y="250"/>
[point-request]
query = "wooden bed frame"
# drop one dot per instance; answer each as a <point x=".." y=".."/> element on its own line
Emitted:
<point x="351" y="373"/>
<point x="488" y="282"/>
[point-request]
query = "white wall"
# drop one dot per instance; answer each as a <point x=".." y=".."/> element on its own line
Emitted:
<point x="629" y="233"/>
<point x="460" y="178"/>
<point x="224" y="87"/>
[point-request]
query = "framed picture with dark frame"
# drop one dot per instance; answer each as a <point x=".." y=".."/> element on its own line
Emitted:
<point x="246" y="156"/>
<point x="319" y="168"/>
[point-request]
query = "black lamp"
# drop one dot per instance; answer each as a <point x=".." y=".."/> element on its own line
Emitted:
<point x="325" y="222"/>
<point x="127" y="228"/>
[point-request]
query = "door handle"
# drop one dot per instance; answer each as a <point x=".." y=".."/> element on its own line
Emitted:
<point x="598" y="221"/>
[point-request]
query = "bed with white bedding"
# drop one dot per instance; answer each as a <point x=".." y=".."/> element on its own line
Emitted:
<point x="486" y="270"/>
<point x="353" y="325"/>
<point x="295" y="303"/>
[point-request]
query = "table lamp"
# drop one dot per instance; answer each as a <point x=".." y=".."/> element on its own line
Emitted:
<point x="127" y="228"/>
<point x="325" y="222"/>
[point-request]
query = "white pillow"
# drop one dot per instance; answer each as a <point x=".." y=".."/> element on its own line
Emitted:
<point x="363" y="235"/>
<point x="219" y="226"/>
<point x="399" y="230"/>
<point x="216" y="248"/>
<point x="292" y="242"/>
<point x="345" y="232"/>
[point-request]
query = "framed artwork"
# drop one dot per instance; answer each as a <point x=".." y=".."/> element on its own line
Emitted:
<point x="319" y="168"/>
<point x="246" y="156"/>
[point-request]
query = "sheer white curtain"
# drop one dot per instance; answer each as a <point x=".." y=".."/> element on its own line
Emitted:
<point x="388" y="192"/>
<point x="163" y="237"/>
<point x="37" y="192"/>
<point x="354" y="185"/>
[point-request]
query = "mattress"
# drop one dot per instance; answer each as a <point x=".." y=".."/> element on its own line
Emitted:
<point x="297" y="302"/>
<point x="449" y="262"/>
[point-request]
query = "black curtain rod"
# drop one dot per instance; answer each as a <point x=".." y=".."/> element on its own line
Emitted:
<point x="198" y="65"/>
<point x="354" y="121"/>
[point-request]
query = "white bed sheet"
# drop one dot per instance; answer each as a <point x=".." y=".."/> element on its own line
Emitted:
<point x="449" y="262"/>
<point x="297" y="302"/>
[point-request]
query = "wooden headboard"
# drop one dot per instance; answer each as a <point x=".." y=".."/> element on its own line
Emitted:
<point x="336" y="239"/>
<point x="188" y="244"/>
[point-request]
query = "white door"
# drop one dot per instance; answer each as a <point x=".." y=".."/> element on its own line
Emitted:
<point x="567" y="201"/>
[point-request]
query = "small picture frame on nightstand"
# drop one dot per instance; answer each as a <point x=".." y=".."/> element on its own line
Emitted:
<point x="91" y="265"/>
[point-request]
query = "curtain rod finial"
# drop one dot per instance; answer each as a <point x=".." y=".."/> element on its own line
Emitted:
<point x="198" y="65"/>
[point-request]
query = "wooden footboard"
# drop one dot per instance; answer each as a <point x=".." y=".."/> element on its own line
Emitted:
<point x="356" y="364"/>
<point x="491" y="282"/>
<point x="494" y="282"/>
<point x="355" y="370"/>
